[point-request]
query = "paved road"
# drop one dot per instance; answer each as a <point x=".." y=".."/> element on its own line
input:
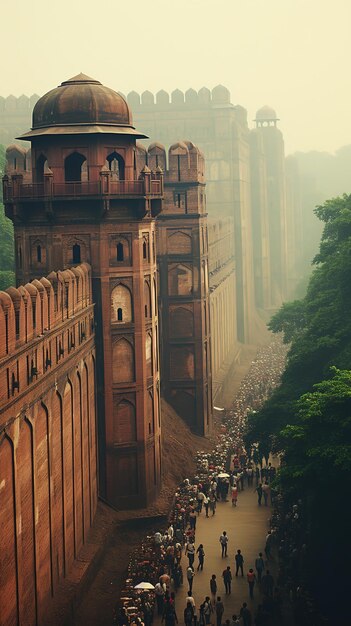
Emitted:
<point x="246" y="527"/>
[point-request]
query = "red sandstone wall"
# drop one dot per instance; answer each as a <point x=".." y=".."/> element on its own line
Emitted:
<point x="48" y="485"/>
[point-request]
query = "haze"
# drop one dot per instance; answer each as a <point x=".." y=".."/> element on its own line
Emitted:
<point x="290" y="54"/>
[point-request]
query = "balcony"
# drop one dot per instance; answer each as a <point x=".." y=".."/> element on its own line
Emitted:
<point x="15" y="190"/>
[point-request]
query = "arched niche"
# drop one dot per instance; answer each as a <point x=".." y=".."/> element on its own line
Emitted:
<point x="180" y="280"/>
<point x="181" y="322"/>
<point x="41" y="167"/>
<point x="182" y="363"/>
<point x="148" y="355"/>
<point x="124" y="422"/>
<point x="147" y="300"/>
<point x="121" y="304"/>
<point x="179" y="243"/>
<point x="116" y="165"/>
<point x="74" y="167"/>
<point x="123" y="362"/>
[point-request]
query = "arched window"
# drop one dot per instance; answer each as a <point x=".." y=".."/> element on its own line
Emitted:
<point x="120" y="252"/>
<point x="73" y="167"/>
<point x="115" y="163"/>
<point x="76" y="256"/>
<point x="39" y="254"/>
<point x="121" y="304"/>
<point x="41" y="168"/>
<point x="144" y="249"/>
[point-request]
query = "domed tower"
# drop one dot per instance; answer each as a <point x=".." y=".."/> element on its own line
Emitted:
<point x="86" y="201"/>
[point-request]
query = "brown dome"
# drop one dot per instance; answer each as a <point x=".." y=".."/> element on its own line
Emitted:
<point x="80" y="105"/>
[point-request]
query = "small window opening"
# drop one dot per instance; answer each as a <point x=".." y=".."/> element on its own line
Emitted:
<point x="39" y="254"/>
<point x="178" y="161"/>
<point x="120" y="252"/>
<point x="119" y="315"/>
<point x="17" y="323"/>
<point x="146" y="315"/>
<point x="76" y="253"/>
<point x="178" y="201"/>
<point x="34" y="310"/>
<point x="144" y="250"/>
<point x="156" y="160"/>
<point x="15" y="163"/>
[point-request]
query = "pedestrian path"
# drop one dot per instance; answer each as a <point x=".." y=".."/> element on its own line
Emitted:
<point x="246" y="526"/>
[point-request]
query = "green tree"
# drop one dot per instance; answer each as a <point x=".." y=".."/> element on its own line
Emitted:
<point x="318" y="327"/>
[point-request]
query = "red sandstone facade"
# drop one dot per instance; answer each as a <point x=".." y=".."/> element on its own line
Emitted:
<point x="84" y="203"/>
<point x="48" y="486"/>
<point x="85" y="200"/>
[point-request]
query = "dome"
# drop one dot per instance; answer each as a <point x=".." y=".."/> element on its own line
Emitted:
<point x="81" y="105"/>
<point x="266" y="114"/>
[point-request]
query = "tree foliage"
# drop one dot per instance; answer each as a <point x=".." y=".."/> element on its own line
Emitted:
<point x="308" y="418"/>
<point x="317" y="327"/>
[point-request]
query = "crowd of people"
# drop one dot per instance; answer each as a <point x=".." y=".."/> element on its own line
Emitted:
<point x="166" y="560"/>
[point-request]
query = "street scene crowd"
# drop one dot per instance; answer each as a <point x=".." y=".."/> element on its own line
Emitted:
<point x="170" y="559"/>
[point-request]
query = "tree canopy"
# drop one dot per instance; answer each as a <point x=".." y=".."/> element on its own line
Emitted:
<point x="308" y="418"/>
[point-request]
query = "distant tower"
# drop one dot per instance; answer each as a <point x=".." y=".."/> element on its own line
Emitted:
<point x="85" y="202"/>
<point x="273" y="153"/>
<point x="184" y="286"/>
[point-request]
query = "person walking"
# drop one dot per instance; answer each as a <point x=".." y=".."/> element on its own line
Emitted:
<point x="234" y="494"/>
<point x="227" y="578"/>
<point x="160" y="596"/>
<point x="213" y="503"/>
<point x="259" y="565"/>
<point x="239" y="562"/>
<point x="190" y="552"/>
<point x="259" y="493"/>
<point x="190" y="577"/>
<point x="245" y="615"/>
<point x="219" y="609"/>
<point x="208" y="610"/>
<point x="201" y="556"/>
<point x="223" y="540"/>
<point x="206" y="503"/>
<point x="251" y="579"/>
<point x="213" y="588"/>
<point x="268" y="584"/>
<point x="188" y="614"/>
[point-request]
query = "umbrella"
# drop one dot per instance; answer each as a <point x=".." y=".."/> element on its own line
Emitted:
<point x="144" y="585"/>
<point x="223" y="475"/>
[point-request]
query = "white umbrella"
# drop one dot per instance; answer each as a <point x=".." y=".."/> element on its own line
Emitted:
<point x="223" y="475"/>
<point x="144" y="585"/>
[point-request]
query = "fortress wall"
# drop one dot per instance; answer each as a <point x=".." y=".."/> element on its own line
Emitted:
<point x="48" y="469"/>
<point x="222" y="280"/>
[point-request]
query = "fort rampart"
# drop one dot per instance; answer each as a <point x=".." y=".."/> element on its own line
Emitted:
<point x="48" y="489"/>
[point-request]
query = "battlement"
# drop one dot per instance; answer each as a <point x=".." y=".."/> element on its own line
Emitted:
<point x="183" y="163"/>
<point x="219" y="95"/>
<point x="21" y="104"/>
<point x="30" y="311"/>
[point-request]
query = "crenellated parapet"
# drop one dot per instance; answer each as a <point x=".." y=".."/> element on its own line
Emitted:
<point x="190" y="98"/>
<point x="42" y="323"/>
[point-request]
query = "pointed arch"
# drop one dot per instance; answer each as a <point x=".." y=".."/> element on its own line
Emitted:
<point x="116" y="165"/>
<point x="123" y="362"/>
<point x="121" y="304"/>
<point x="124" y="422"/>
<point x="74" y="167"/>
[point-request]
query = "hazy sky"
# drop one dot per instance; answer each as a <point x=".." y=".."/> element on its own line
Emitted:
<point x="294" y="55"/>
